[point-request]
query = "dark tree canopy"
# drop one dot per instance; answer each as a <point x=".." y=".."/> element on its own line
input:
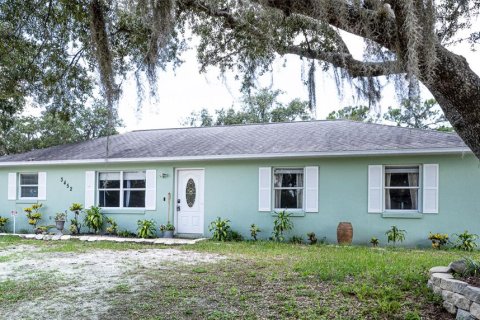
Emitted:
<point x="261" y="107"/>
<point x="50" y="47"/>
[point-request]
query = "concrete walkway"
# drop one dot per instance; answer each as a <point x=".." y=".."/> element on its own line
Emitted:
<point x="92" y="238"/>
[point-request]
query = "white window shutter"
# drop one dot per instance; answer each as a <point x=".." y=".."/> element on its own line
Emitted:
<point x="311" y="189"/>
<point x="375" y="189"/>
<point x="42" y="186"/>
<point x="265" y="189"/>
<point x="151" y="190"/>
<point x="12" y="186"/>
<point x="430" y="188"/>
<point x="89" y="189"/>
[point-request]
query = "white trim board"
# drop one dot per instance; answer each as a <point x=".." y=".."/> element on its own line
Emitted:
<point x="243" y="156"/>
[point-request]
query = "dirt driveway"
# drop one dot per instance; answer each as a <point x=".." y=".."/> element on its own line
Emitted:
<point x="66" y="285"/>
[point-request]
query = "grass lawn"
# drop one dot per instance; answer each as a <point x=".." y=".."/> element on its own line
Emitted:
<point x="258" y="280"/>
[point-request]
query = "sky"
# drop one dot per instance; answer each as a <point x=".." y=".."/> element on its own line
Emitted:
<point x="185" y="90"/>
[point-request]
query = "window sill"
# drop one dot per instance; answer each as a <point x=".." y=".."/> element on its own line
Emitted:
<point x="292" y="213"/>
<point x="402" y="215"/>
<point x="26" y="201"/>
<point x="123" y="210"/>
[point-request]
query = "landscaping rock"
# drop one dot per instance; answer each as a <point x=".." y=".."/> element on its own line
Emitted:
<point x="56" y="237"/>
<point x="119" y="240"/>
<point x="430" y="284"/>
<point x="472" y="293"/>
<point x="84" y="238"/>
<point x="460" y="301"/>
<point x="437" y="277"/>
<point x="65" y="237"/>
<point x="47" y="237"/>
<point x="464" y="315"/>
<point x="459" y="266"/>
<point x="92" y="239"/>
<point x="437" y="290"/>
<point x="39" y="236"/>
<point x="453" y="285"/>
<point x="450" y="307"/>
<point x="439" y="270"/>
<point x="475" y="310"/>
<point x="29" y="236"/>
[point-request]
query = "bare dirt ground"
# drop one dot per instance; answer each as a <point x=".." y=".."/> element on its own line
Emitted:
<point x="74" y="285"/>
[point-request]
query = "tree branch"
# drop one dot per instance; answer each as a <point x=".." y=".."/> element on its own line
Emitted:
<point x="345" y="61"/>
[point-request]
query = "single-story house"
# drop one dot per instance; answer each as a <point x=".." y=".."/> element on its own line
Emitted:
<point x="323" y="172"/>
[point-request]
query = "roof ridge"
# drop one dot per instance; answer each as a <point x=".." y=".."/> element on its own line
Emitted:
<point x="400" y="127"/>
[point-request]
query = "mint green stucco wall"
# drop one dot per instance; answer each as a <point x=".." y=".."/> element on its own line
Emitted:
<point x="231" y="191"/>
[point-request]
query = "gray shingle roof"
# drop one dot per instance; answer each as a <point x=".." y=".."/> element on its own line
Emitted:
<point x="293" y="138"/>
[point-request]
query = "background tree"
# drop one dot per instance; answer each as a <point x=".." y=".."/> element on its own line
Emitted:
<point x="426" y="115"/>
<point x="260" y="107"/>
<point x="52" y="128"/>
<point x="358" y="113"/>
<point x="406" y="41"/>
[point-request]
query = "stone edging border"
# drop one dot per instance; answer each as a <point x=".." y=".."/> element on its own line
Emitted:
<point x="164" y="241"/>
<point x="458" y="296"/>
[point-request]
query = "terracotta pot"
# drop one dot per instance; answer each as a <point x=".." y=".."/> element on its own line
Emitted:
<point x="344" y="233"/>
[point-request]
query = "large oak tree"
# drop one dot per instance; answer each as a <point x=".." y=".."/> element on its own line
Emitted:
<point x="407" y="41"/>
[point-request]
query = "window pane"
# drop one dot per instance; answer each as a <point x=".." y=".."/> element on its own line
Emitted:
<point x="29" y="192"/>
<point x="401" y="179"/>
<point x="289" y="199"/>
<point x="401" y="199"/>
<point x="134" y="180"/>
<point x="134" y="199"/>
<point x="29" y="179"/>
<point x="288" y="180"/>
<point x="109" y="199"/>
<point x="109" y="180"/>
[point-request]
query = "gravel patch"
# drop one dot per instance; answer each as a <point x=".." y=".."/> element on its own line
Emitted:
<point x="86" y="277"/>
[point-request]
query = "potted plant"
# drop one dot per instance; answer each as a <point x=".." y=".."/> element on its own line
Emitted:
<point x="60" y="221"/>
<point x="162" y="230"/>
<point x="169" y="229"/>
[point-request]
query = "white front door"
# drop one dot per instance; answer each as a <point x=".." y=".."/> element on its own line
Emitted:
<point x="189" y="202"/>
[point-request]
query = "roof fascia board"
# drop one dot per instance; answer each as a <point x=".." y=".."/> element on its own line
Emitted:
<point x="242" y="157"/>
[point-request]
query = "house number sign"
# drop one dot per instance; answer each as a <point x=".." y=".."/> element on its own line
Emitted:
<point x="67" y="185"/>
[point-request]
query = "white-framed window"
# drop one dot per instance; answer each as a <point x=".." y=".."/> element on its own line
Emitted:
<point x="28" y="185"/>
<point x="288" y="188"/>
<point x="121" y="189"/>
<point x="402" y="185"/>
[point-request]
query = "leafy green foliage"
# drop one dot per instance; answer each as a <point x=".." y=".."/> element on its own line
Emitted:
<point x="33" y="214"/>
<point x="358" y="113"/>
<point x="3" y="223"/>
<point x="261" y="107"/>
<point x="146" y="228"/>
<point x="94" y="219"/>
<point x="126" y="234"/>
<point x="61" y="216"/>
<point x="426" y="115"/>
<point x="75" y="226"/>
<point x="438" y="239"/>
<point x="312" y="238"/>
<point x="220" y="228"/>
<point x="374" y="241"/>
<point x="169" y="227"/>
<point x="113" y="226"/>
<point x="254" y="231"/>
<point x="281" y="224"/>
<point x="395" y="235"/>
<point x="233" y="235"/>
<point x="472" y="267"/>
<point x="466" y="241"/>
<point x="296" y="240"/>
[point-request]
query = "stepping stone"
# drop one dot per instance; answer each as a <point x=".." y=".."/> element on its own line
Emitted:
<point x="84" y="238"/>
<point x="65" y="237"/>
<point x="29" y="236"/>
<point x="56" y="237"/>
<point x="39" y="236"/>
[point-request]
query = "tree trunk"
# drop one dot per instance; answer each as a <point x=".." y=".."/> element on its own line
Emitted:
<point x="457" y="90"/>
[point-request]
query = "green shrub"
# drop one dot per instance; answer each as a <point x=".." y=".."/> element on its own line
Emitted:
<point x="438" y="239"/>
<point x="374" y="242"/>
<point x="3" y="223"/>
<point x="146" y="228"/>
<point x="296" y="240"/>
<point x="113" y="228"/>
<point x="312" y="238"/>
<point x="33" y="214"/>
<point x="126" y="234"/>
<point x="395" y="235"/>
<point x="220" y="229"/>
<point x="94" y="219"/>
<point x="254" y="231"/>
<point x="472" y="267"/>
<point x="234" y="236"/>
<point x="466" y="241"/>
<point x="281" y="224"/>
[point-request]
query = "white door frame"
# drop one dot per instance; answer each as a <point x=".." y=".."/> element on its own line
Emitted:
<point x="175" y="215"/>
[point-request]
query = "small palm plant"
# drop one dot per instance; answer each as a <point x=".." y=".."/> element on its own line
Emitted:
<point x="281" y="225"/>
<point x="254" y="231"/>
<point x="33" y="214"/>
<point x="220" y="228"/>
<point x="395" y="235"/>
<point x="75" y="225"/>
